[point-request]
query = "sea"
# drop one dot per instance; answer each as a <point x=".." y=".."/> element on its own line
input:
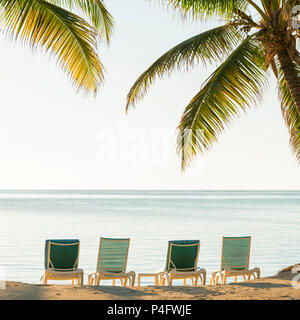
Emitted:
<point x="150" y="218"/>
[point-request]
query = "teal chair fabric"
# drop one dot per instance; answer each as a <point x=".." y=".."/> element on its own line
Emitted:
<point x="63" y="254"/>
<point x="113" y="255"/>
<point x="235" y="253"/>
<point x="182" y="255"/>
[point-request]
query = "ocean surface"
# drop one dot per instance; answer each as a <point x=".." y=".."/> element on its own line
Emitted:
<point x="150" y="219"/>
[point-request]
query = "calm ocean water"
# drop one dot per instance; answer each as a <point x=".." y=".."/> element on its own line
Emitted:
<point x="150" y="219"/>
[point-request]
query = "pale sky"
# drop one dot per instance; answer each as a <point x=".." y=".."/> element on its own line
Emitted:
<point x="51" y="137"/>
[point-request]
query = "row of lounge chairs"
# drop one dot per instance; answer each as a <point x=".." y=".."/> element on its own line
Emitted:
<point x="62" y="260"/>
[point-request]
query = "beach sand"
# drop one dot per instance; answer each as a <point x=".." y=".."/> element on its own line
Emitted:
<point x="277" y="287"/>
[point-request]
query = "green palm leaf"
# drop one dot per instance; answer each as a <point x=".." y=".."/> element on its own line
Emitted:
<point x="210" y="46"/>
<point x="290" y="113"/>
<point x="64" y="34"/>
<point x="235" y="85"/>
<point x="96" y="12"/>
<point x="210" y="8"/>
<point x="207" y="8"/>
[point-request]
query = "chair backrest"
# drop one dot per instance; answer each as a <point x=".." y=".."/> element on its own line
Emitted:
<point x="235" y="253"/>
<point x="182" y="255"/>
<point x="113" y="255"/>
<point x="62" y="255"/>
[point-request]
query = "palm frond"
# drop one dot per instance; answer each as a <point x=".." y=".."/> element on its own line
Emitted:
<point x="290" y="113"/>
<point x="71" y="39"/>
<point x="207" y="47"/>
<point x="233" y="87"/>
<point x="207" y="8"/>
<point x="96" y="12"/>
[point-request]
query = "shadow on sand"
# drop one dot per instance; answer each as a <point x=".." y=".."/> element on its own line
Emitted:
<point x="30" y="292"/>
<point x="260" y="285"/>
<point x="191" y="290"/>
<point x="120" y="292"/>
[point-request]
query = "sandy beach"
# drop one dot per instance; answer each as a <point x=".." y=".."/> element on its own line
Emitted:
<point x="269" y="288"/>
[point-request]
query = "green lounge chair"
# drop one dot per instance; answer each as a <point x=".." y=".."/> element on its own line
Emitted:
<point x="181" y="263"/>
<point x="61" y="261"/>
<point x="235" y="261"/>
<point x="112" y="262"/>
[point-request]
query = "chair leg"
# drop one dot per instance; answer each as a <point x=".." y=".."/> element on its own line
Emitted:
<point x="133" y="280"/>
<point x="224" y="278"/>
<point x="194" y="281"/>
<point x="91" y="280"/>
<point x="161" y="280"/>
<point x="45" y="278"/>
<point x="203" y="279"/>
<point x="169" y="280"/>
<point x="257" y="272"/>
<point x="213" y="279"/>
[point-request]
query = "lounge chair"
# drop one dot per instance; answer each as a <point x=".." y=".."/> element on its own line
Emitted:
<point x="235" y="261"/>
<point x="61" y="261"/>
<point x="112" y="262"/>
<point x="182" y="260"/>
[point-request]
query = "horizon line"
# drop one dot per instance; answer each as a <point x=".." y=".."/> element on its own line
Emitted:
<point x="149" y="189"/>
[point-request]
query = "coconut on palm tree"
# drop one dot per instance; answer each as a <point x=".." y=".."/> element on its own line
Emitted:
<point x="256" y="36"/>
<point x="54" y="26"/>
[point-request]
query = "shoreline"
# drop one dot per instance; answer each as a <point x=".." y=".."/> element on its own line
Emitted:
<point x="277" y="287"/>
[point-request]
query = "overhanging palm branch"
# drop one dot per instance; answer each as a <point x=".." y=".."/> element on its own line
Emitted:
<point x="290" y="113"/>
<point x="66" y="35"/>
<point x="235" y="85"/>
<point x="207" y="8"/>
<point x="207" y="47"/>
<point x="210" y="8"/>
<point x="96" y="12"/>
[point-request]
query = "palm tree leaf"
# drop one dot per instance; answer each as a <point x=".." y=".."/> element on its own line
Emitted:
<point x="209" y="46"/>
<point x="66" y="35"/>
<point x="290" y="112"/>
<point x="96" y="12"/>
<point x="207" y="8"/>
<point x="233" y="87"/>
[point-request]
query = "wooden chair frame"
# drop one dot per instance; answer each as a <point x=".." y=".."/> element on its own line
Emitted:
<point x="194" y="274"/>
<point x="101" y="274"/>
<point x="52" y="273"/>
<point x="234" y="271"/>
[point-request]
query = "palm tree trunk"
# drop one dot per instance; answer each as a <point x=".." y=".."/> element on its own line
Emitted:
<point x="291" y="76"/>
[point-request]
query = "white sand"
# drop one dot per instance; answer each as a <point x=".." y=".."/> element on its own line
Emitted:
<point x="278" y="287"/>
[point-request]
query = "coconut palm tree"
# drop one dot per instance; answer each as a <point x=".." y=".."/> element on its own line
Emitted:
<point x="53" y="26"/>
<point x="256" y="36"/>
